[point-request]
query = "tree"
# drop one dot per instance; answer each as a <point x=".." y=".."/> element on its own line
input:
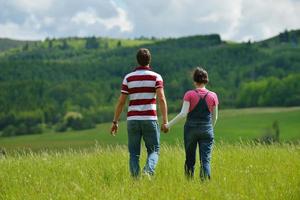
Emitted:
<point x="284" y="37"/>
<point x="64" y="45"/>
<point x="119" y="44"/>
<point x="91" y="43"/>
<point x="106" y="46"/>
<point x="50" y="44"/>
<point x="9" y="131"/>
<point x="25" y="47"/>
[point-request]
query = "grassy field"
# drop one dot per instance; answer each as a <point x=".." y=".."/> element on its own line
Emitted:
<point x="91" y="164"/>
<point x="233" y="126"/>
<point x="238" y="172"/>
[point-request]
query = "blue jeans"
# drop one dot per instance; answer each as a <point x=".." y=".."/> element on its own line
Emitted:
<point x="202" y="135"/>
<point x="149" y="131"/>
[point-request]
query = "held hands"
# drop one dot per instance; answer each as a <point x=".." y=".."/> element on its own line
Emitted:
<point x="164" y="128"/>
<point x="114" y="128"/>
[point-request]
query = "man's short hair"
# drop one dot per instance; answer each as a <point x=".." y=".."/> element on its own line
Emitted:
<point x="143" y="57"/>
<point x="200" y="75"/>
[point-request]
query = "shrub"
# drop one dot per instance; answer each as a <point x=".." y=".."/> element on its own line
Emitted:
<point x="10" y="130"/>
<point x="61" y="127"/>
<point x="82" y="123"/>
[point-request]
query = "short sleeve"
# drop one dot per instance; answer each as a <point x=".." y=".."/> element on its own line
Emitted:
<point x="187" y="96"/>
<point x="124" y="88"/>
<point x="159" y="82"/>
<point x="216" y="100"/>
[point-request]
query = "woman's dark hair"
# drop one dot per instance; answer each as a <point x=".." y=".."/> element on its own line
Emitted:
<point x="143" y="57"/>
<point x="200" y="75"/>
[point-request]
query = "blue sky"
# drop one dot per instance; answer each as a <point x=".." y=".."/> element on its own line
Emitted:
<point x="238" y="20"/>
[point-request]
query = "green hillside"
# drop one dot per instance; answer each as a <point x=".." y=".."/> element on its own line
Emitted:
<point x="234" y="125"/>
<point x="41" y="84"/>
<point x="7" y="44"/>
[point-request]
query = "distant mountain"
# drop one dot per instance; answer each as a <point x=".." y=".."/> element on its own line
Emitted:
<point x="6" y="44"/>
<point x="291" y="37"/>
<point x="42" y="82"/>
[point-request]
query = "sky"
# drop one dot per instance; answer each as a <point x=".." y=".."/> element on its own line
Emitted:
<point x="237" y="20"/>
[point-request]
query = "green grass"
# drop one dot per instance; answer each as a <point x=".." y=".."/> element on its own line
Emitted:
<point x="232" y="126"/>
<point x="79" y="43"/>
<point x="238" y="172"/>
<point x="63" y="169"/>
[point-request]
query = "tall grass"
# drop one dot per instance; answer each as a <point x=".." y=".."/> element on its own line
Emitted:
<point x="238" y="172"/>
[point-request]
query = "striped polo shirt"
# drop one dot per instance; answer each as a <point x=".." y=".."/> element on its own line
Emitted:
<point x="141" y="86"/>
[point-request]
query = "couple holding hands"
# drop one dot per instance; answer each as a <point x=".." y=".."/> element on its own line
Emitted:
<point x="200" y="108"/>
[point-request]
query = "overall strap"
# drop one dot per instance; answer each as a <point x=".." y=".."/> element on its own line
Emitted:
<point x="205" y="95"/>
<point x="197" y="93"/>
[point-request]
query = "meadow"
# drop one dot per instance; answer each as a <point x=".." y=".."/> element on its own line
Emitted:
<point x="92" y="164"/>
<point x="238" y="172"/>
<point x="234" y="125"/>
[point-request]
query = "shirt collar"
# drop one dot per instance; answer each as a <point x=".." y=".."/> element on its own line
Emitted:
<point x="143" y="68"/>
<point x="203" y="88"/>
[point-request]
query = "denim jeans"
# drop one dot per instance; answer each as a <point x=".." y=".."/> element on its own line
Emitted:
<point x="202" y="135"/>
<point x="149" y="131"/>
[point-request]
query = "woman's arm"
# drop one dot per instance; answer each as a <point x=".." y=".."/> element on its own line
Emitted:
<point x="183" y="113"/>
<point x="215" y="116"/>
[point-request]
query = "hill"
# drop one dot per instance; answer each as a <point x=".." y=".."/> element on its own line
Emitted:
<point x="42" y="83"/>
<point x="7" y="44"/>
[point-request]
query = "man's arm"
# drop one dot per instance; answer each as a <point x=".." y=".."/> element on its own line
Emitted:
<point x="162" y="105"/>
<point x="118" y="111"/>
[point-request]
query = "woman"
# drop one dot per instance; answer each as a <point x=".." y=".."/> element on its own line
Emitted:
<point x="201" y="108"/>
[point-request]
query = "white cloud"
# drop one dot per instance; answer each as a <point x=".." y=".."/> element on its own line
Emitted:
<point x="263" y="19"/>
<point x="48" y="21"/>
<point x="211" y="18"/>
<point x="90" y="17"/>
<point x="185" y="17"/>
<point x="62" y="18"/>
<point x="120" y="21"/>
<point x="33" y="5"/>
<point x="12" y="30"/>
<point x="233" y="19"/>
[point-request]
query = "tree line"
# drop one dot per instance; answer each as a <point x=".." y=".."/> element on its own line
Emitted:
<point x="55" y="88"/>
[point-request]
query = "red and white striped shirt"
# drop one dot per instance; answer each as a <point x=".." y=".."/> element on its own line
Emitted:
<point x="141" y="86"/>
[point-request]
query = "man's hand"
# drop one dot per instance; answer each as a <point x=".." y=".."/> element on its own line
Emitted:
<point x="118" y="110"/>
<point x="163" y="106"/>
<point x="114" y="128"/>
<point x="164" y="128"/>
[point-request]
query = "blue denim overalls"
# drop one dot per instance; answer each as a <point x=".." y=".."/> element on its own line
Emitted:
<point x="198" y="129"/>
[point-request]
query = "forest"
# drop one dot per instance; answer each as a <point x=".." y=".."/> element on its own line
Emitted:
<point x="73" y="83"/>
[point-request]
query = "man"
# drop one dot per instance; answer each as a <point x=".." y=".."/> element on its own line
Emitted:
<point x="142" y="86"/>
